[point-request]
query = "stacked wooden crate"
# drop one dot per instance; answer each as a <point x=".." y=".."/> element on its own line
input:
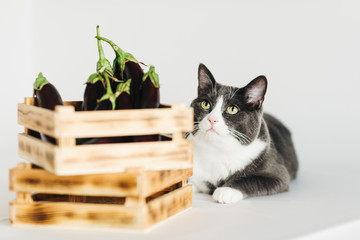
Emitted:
<point x="128" y="185"/>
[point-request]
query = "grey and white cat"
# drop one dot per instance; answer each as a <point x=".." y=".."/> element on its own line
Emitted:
<point x="239" y="151"/>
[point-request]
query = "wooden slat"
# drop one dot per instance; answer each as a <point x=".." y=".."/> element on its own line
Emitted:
<point x="36" y="118"/>
<point x="168" y="205"/>
<point x="64" y="122"/>
<point x="41" y="181"/>
<point x="126" y="184"/>
<point x="39" y="152"/>
<point x="79" y="214"/>
<point x="28" y="101"/>
<point x="157" y="180"/>
<point x="124" y="122"/>
<point x="102" y="158"/>
<point x="102" y="215"/>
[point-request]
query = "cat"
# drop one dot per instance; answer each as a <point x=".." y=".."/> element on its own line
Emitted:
<point x="239" y="151"/>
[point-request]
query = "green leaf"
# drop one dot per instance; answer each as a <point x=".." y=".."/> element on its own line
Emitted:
<point x="123" y="87"/>
<point x="109" y="93"/>
<point x="40" y="82"/>
<point x="103" y="65"/>
<point x="93" y="78"/>
<point x="146" y="75"/>
<point x="130" y="57"/>
<point x="154" y="77"/>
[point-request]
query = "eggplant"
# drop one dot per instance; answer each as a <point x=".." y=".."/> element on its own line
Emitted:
<point x="125" y="67"/>
<point x="47" y="96"/>
<point x="149" y="98"/>
<point x="93" y="92"/>
<point x="100" y="96"/>
<point x="123" y="96"/>
<point x="150" y="90"/>
<point x="135" y="72"/>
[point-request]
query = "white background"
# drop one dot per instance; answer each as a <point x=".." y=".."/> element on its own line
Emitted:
<point x="309" y="51"/>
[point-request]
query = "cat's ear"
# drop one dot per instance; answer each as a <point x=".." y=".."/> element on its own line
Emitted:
<point x="206" y="79"/>
<point x="255" y="92"/>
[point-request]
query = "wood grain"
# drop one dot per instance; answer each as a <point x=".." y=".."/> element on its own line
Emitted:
<point x="156" y="180"/>
<point x="39" y="152"/>
<point x="134" y="182"/>
<point x="79" y="213"/>
<point x="102" y="158"/>
<point x="41" y="181"/>
<point x="168" y="205"/>
<point x="64" y="122"/>
<point x="36" y="118"/>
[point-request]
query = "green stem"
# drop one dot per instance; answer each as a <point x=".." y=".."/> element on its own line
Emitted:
<point x="100" y="48"/>
<point x="121" y="56"/>
<point x="109" y="92"/>
<point x="116" y="48"/>
<point x="103" y="62"/>
<point x="108" y="85"/>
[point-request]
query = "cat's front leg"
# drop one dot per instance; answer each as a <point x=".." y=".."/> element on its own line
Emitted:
<point x="236" y="189"/>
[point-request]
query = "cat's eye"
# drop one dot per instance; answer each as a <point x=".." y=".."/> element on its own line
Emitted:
<point x="232" y="110"/>
<point x="205" y="105"/>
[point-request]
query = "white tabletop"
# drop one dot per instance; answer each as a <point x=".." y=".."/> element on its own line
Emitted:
<point x="320" y="205"/>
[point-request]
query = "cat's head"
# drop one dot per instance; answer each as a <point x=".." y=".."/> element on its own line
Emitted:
<point x="221" y="112"/>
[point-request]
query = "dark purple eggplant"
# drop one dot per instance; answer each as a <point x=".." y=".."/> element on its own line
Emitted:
<point x="47" y="97"/>
<point x="150" y="90"/>
<point x="125" y="67"/>
<point x="98" y="93"/>
<point x="93" y="92"/>
<point x="123" y="96"/>
<point x="135" y="72"/>
<point x="149" y="98"/>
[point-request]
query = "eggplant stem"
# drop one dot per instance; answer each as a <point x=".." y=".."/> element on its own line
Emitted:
<point x="154" y="77"/>
<point x="116" y="48"/>
<point x="100" y="48"/>
<point x="103" y="64"/>
<point x="109" y="92"/>
<point x="121" y="56"/>
<point x="40" y="82"/>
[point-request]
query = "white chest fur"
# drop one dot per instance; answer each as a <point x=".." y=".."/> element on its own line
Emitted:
<point x="216" y="160"/>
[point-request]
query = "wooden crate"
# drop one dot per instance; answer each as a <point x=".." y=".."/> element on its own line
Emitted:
<point x="66" y="125"/>
<point x="135" y="199"/>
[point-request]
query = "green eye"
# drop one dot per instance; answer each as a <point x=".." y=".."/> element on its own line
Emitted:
<point x="232" y="110"/>
<point x="205" y="105"/>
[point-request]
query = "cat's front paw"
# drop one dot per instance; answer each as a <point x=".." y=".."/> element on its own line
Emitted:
<point x="227" y="195"/>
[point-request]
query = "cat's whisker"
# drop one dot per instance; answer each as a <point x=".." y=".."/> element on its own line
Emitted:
<point x="243" y="135"/>
<point x="237" y="137"/>
<point x="240" y="136"/>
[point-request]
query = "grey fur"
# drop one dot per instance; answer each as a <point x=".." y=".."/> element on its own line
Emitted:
<point x="272" y="171"/>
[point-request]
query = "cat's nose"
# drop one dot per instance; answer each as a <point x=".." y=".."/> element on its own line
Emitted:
<point x="212" y="120"/>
